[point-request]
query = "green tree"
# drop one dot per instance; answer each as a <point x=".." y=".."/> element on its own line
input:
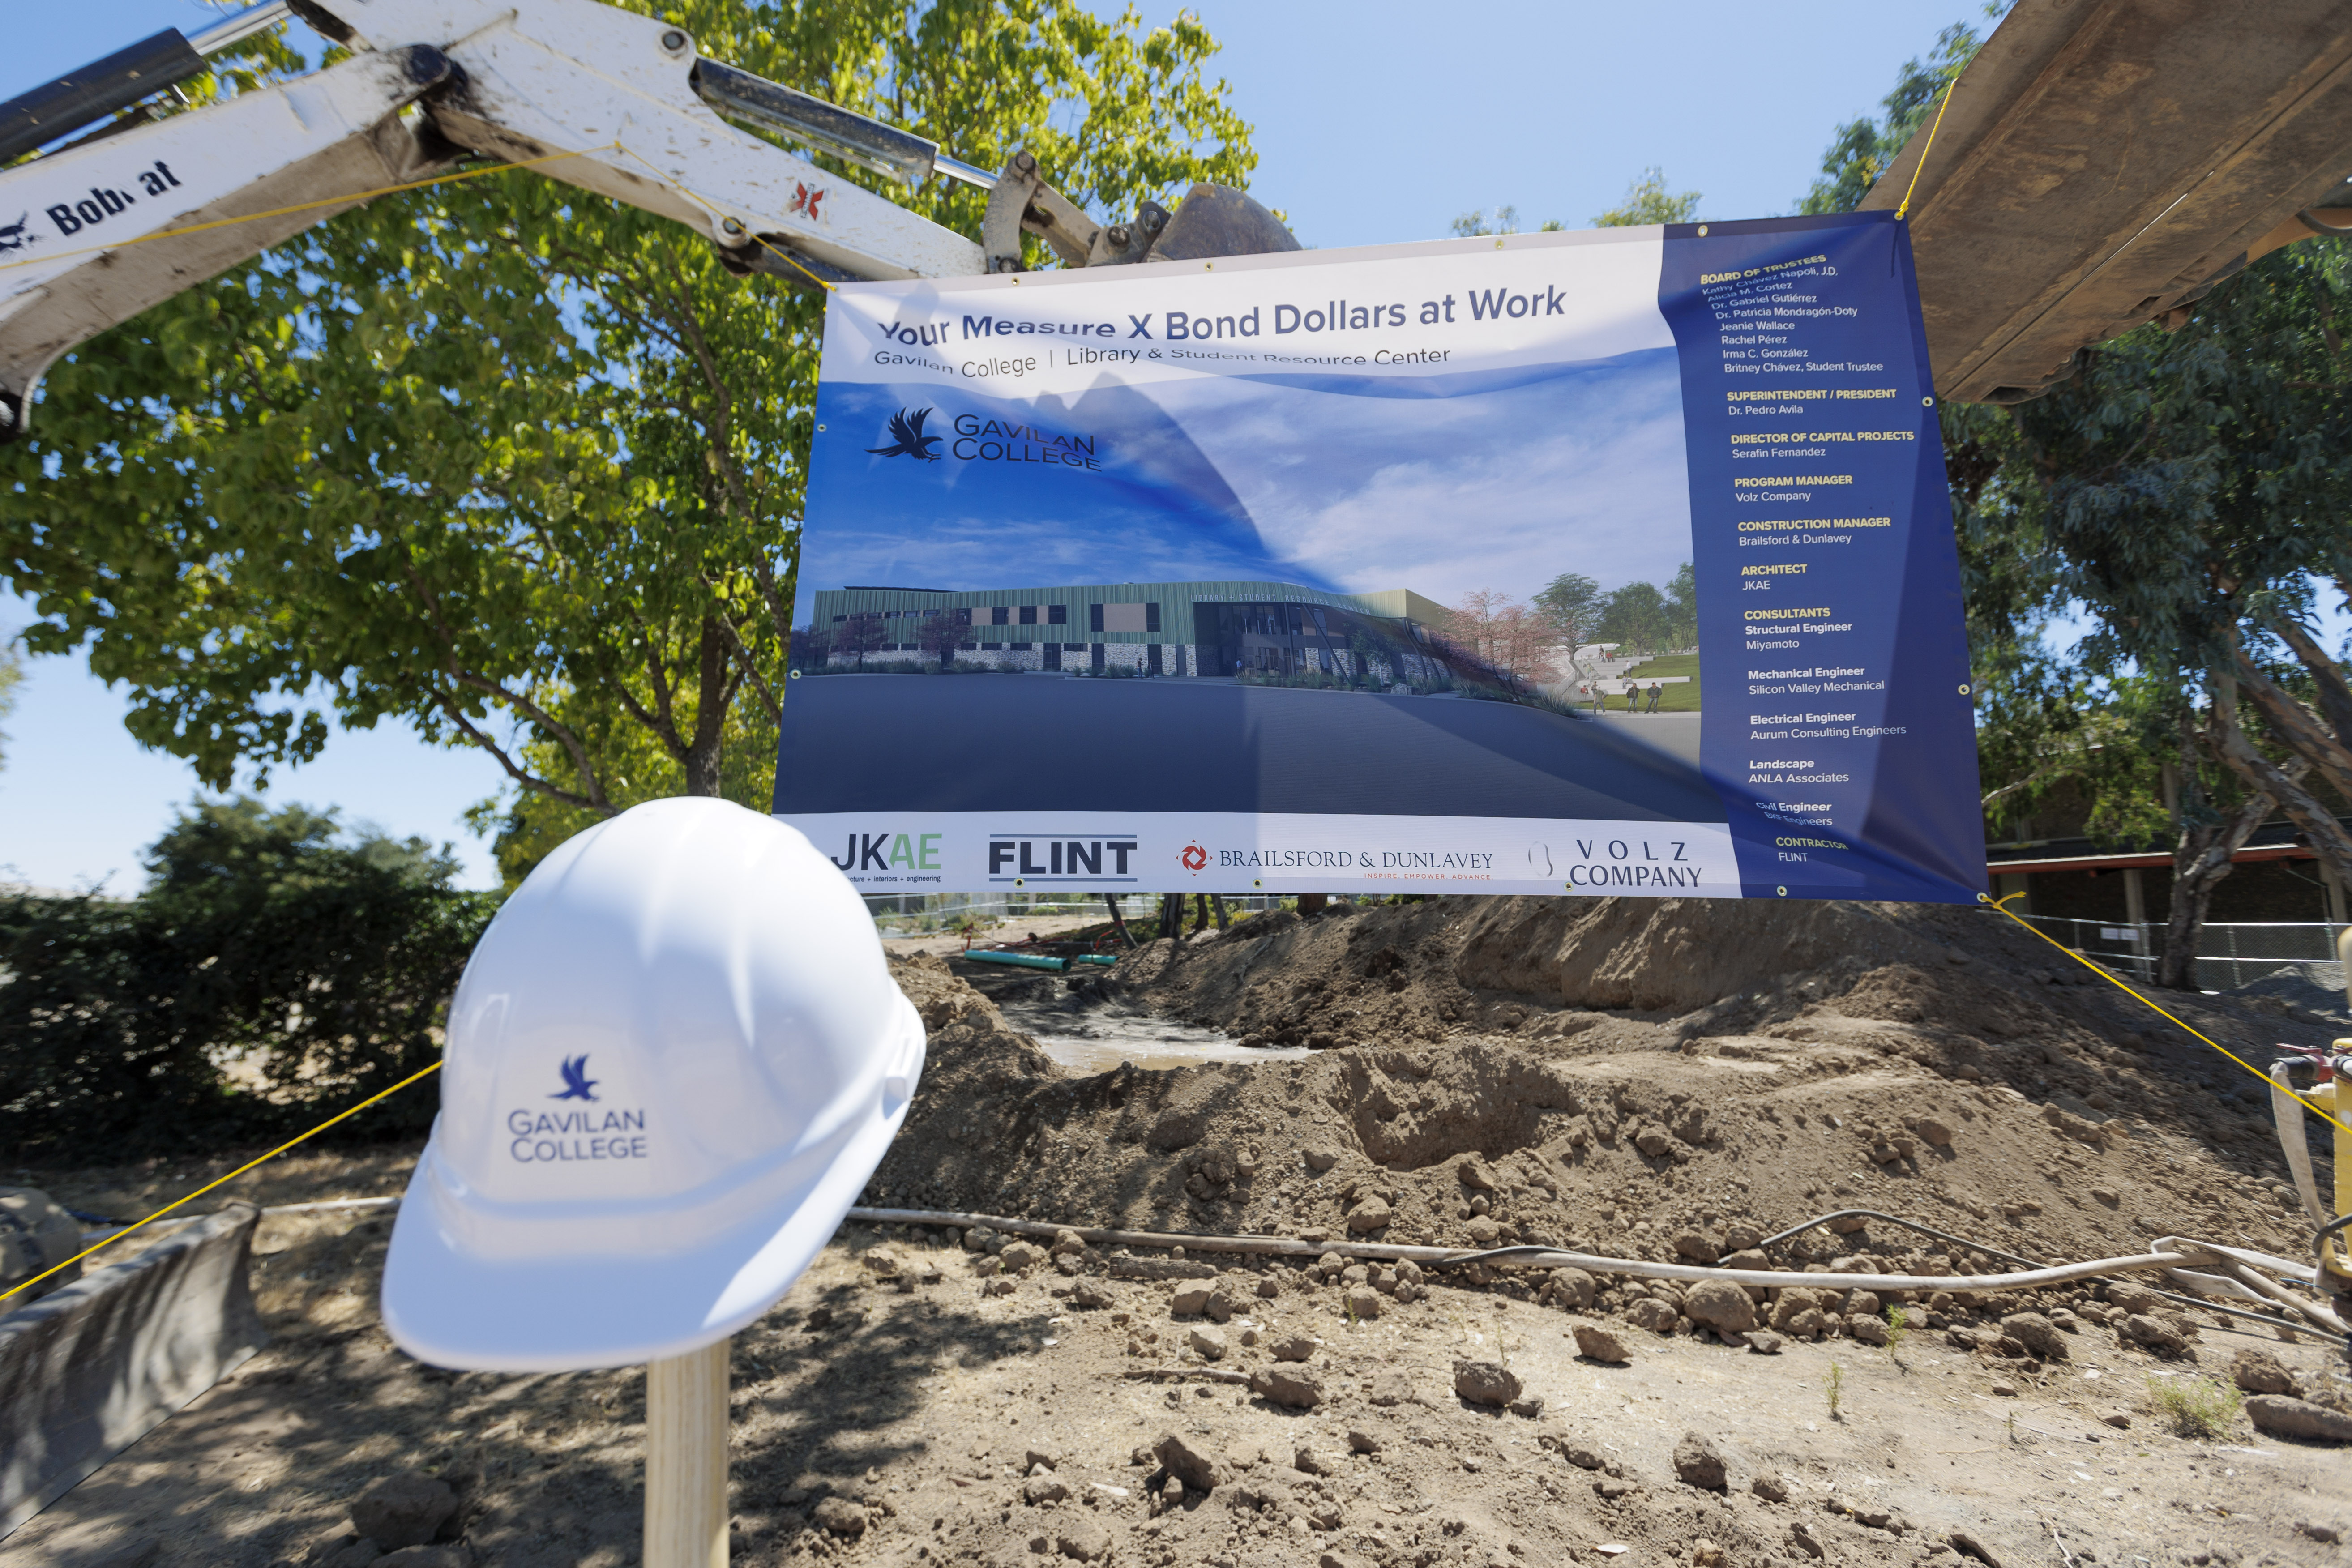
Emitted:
<point x="12" y="675"/>
<point x="1682" y="608"/>
<point x="1648" y="201"/>
<point x="516" y="464"/>
<point x="275" y="967"/>
<point x="1863" y="149"/>
<point x="1636" y="614"/>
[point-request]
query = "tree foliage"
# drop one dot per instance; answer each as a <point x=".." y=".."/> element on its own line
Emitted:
<point x="514" y="463"/>
<point x="275" y="970"/>
<point x="1863" y="149"/>
<point x="1648" y="201"/>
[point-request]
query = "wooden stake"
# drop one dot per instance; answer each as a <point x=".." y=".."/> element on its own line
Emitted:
<point x="685" y="1460"/>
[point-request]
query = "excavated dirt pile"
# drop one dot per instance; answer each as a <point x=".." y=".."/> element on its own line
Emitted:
<point x="1673" y="1080"/>
<point x="1626" y="1076"/>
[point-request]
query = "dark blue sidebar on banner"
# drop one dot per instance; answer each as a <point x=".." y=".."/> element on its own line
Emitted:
<point x="1838" y="722"/>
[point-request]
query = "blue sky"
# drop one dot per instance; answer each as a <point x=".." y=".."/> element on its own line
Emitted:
<point x="1376" y="121"/>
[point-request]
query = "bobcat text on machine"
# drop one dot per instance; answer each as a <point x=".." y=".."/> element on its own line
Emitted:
<point x="93" y="231"/>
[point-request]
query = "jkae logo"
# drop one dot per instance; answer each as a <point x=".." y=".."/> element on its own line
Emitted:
<point x="908" y="437"/>
<point x="570" y="1137"/>
<point x="889" y="851"/>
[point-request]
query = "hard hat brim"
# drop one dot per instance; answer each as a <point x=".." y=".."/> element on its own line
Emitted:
<point x="452" y="1306"/>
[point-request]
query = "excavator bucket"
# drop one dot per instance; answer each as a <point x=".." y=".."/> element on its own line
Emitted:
<point x="1217" y="220"/>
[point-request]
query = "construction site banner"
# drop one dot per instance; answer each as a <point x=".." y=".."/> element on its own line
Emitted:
<point x="1617" y="562"/>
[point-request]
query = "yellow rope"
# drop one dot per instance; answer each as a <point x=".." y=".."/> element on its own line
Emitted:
<point x="301" y="207"/>
<point x="2003" y="905"/>
<point x="233" y="1175"/>
<point x="1899" y="212"/>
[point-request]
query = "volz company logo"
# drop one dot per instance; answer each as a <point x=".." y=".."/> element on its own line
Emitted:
<point x="906" y="434"/>
<point x="577" y="1084"/>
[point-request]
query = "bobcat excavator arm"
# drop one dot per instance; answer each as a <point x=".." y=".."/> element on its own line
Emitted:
<point x="95" y="232"/>
<point x="575" y="90"/>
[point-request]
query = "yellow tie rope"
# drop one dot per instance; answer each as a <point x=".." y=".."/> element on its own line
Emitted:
<point x="2003" y="905"/>
<point x="233" y="1175"/>
<point x="1946" y="103"/>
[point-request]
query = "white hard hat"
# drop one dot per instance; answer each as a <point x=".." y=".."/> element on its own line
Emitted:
<point x="674" y="1059"/>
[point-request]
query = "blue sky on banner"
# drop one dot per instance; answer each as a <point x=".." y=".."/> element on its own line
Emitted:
<point x="1376" y="121"/>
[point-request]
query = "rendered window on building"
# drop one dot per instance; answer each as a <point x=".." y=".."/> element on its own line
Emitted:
<point x="1151" y="617"/>
<point x="1028" y="614"/>
<point x="1094" y="617"/>
<point x="1058" y="615"/>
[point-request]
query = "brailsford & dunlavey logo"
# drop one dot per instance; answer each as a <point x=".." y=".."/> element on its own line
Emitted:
<point x="907" y="439"/>
<point x="577" y="1084"/>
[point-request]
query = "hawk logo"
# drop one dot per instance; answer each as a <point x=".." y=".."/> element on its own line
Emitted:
<point x="907" y="439"/>
<point x="577" y="1084"/>
<point x="1196" y="857"/>
<point x="13" y="235"/>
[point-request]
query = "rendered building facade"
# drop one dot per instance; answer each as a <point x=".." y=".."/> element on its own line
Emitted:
<point x="1217" y="630"/>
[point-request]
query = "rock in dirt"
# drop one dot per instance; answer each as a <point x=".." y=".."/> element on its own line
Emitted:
<point x="1086" y="1293"/>
<point x="1292" y="1386"/>
<point x="840" y="1516"/>
<point x="1020" y="1256"/>
<point x="2153" y="1334"/>
<point x="1083" y="1541"/>
<point x="1720" y="1305"/>
<point x="1807" y="1540"/>
<point x="1486" y="1383"/>
<point x="2320" y="1531"/>
<point x="882" y="1263"/>
<point x="1695" y="1245"/>
<point x="2037" y="1333"/>
<point x="1698" y="1463"/>
<point x="1362" y="1442"/>
<point x="1866" y="1328"/>
<point x="360" y="1553"/>
<point x="1364" y="1302"/>
<point x="1530" y="1407"/>
<point x="403" y="1509"/>
<point x="1653" y="1315"/>
<point x="2283" y="1417"/>
<point x="1597" y="1343"/>
<point x="425" y="1557"/>
<point x="1045" y="1487"/>
<point x="2259" y="1372"/>
<point x="1208" y="1343"/>
<point x="1771" y="1486"/>
<point x="1197" y="1467"/>
<point x="1293" y="1347"/>
<point x="1315" y="1462"/>
<point x="1190" y="1300"/>
<point x="1764" y="1341"/>
<point x="1032" y="1458"/>
<point x="1391" y="1388"/>
<point x="1369" y="1215"/>
<point x="1571" y="1287"/>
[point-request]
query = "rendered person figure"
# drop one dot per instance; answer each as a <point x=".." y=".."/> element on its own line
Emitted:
<point x="1657" y="690"/>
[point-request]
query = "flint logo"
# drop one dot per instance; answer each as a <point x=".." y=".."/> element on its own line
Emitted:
<point x="1196" y="857"/>
<point x="1015" y="858"/>
<point x="570" y="1137"/>
<point x="907" y="439"/>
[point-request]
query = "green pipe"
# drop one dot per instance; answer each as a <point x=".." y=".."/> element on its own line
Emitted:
<point x="1022" y="959"/>
<point x="1105" y="959"/>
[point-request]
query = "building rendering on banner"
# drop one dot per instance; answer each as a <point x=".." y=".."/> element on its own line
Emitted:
<point x="1273" y="631"/>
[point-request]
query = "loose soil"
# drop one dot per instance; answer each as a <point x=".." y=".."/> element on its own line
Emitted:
<point x="1645" y="1079"/>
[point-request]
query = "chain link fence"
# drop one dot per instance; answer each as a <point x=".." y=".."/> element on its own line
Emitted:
<point x="2229" y="955"/>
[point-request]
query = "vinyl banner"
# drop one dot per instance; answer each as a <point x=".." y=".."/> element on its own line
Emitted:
<point x="1617" y="562"/>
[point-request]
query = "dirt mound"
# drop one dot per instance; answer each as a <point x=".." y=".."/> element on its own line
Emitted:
<point x="1618" y="1074"/>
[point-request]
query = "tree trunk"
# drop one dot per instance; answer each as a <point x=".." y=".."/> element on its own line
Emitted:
<point x="2209" y="839"/>
<point x="1118" y="921"/>
<point x="1224" y="921"/>
<point x="2284" y="783"/>
<point x="714" y="694"/>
